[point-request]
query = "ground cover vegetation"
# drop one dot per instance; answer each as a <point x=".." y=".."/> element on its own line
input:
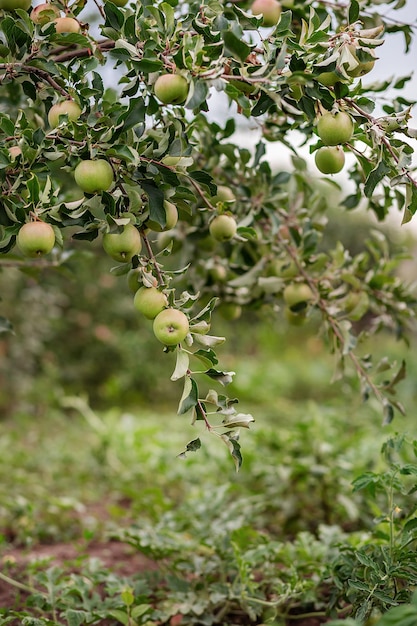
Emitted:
<point x="196" y="231"/>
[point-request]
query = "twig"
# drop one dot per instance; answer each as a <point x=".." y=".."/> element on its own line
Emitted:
<point x="152" y="258"/>
<point x="29" y="69"/>
<point x="16" y="583"/>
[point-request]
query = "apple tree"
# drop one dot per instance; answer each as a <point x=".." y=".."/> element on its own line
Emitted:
<point x="109" y="137"/>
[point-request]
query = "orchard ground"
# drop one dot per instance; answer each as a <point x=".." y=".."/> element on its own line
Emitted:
<point x="195" y="542"/>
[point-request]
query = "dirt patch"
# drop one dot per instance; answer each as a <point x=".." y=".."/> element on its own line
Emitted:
<point x="118" y="557"/>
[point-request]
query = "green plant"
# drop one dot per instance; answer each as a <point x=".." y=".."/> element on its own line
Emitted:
<point x="382" y="572"/>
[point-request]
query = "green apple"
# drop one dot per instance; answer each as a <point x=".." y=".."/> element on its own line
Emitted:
<point x="66" y="25"/>
<point x="297" y="295"/>
<point x="36" y="239"/>
<point x="270" y="10"/>
<point x="93" y="176"/>
<point x="363" y="67"/>
<point x="330" y="159"/>
<point x="44" y="13"/>
<point x="329" y="79"/>
<point x="171" y="215"/>
<point x="282" y="268"/>
<point x="335" y="128"/>
<point x="12" y="5"/>
<point x="223" y="227"/>
<point x="224" y="194"/>
<point x="150" y="301"/>
<point x="171" y="326"/>
<point x="218" y="273"/>
<point x="171" y="89"/>
<point x="230" y="311"/>
<point x="293" y="318"/>
<point x="134" y="279"/>
<point x="66" y="107"/>
<point x="123" y="246"/>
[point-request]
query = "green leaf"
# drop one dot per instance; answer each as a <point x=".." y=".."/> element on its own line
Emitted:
<point x="5" y="325"/>
<point x="199" y="94"/>
<point x="375" y="177"/>
<point x="405" y="615"/>
<point x="224" y="378"/>
<point x="189" y="396"/>
<point x="236" y="46"/>
<point x="182" y="364"/>
<point x="354" y="10"/>
<point x="114" y="16"/>
<point x="156" y="197"/>
<point x="231" y="441"/>
<point x="120" y="616"/>
<point x="192" y="446"/>
<point x="238" y="420"/>
<point x="76" y="618"/>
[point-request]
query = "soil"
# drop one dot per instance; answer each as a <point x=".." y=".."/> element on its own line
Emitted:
<point x="118" y="557"/>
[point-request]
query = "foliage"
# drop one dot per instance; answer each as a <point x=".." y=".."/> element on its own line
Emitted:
<point x="284" y="80"/>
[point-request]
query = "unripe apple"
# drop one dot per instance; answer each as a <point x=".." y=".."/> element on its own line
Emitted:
<point x="297" y="295"/>
<point x="93" y="176"/>
<point x="133" y="277"/>
<point x="171" y="215"/>
<point x="36" y="239"/>
<point x="363" y="67"/>
<point x="230" y="311"/>
<point x="171" y="88"/>
<point x="66" y="25"/>
<point x="218" y="273"/>
<point x="330" y="159"/>
<point x="123" y="246"/>
<point x="224" y="194"/>
<point x="329" y="79"/>
<point x="223" y="227"/>
<point x="335" y="128"/>
<point x="293" y="318"/>
<point x="270" y="10"/>
<point x="150" y="301"/>
<point x="44" y="13"/>
<point x="66" y="107"/>
<point x="171" y="326"/>
<point x="282" y="268"/>
<point x="12" y="5"/>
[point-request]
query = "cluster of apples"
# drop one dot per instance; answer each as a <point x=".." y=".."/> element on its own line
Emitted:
<point x="47" y="13"/>
<point x="334" y="129"/>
